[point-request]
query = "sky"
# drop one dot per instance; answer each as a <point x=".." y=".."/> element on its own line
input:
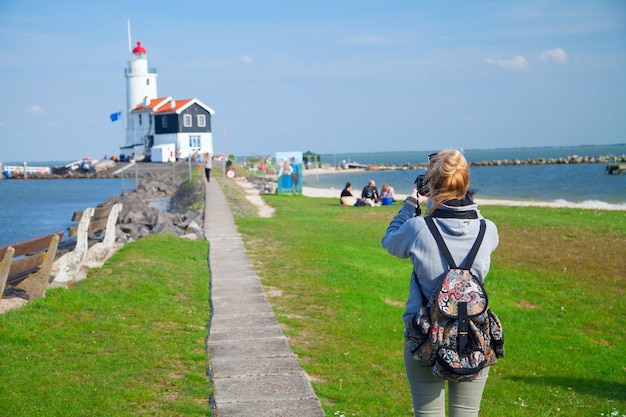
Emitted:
<point x="330" y="76"/>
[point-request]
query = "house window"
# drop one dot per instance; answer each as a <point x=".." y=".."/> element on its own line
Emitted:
<point x="187" y="120"/>
<point x="201" y="120"/>
<point x="194" y="142"/>
<point x="164" y="122"/>
<point x="139" y="119"/>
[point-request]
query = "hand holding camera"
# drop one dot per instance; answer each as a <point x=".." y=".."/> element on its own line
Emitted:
<point x="420" y="191"/>
<point x="421" y="185"/>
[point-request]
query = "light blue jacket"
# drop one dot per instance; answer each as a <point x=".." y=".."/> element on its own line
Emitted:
<point x="408" y="237"/>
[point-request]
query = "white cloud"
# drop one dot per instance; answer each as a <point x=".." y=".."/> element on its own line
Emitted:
<point x="246" y="59"/>
<point x="555" y="55"/>
<point x="517" y="63"/>
<point x="365" y="39"/>
<point x="35" y="108"/>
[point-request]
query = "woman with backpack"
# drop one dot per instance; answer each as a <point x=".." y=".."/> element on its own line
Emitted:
<point x="457" y="218"/>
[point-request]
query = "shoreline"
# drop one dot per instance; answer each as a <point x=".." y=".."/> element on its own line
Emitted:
<point x="334" y="193"/>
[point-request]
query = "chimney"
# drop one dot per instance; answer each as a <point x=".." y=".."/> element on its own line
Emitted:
<point x="146" y="101"/>
<point x="173" y="104"/>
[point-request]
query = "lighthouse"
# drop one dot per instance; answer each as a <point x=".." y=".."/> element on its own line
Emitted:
<point x="162" y="129"/>
<point x="141" y="85"/>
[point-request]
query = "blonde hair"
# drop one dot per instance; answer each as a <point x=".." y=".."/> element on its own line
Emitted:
<point x="448" y="177"/>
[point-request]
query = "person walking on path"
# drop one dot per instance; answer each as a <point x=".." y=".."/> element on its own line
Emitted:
<point x="458" y="219"/>
<point x="208" y="164"/>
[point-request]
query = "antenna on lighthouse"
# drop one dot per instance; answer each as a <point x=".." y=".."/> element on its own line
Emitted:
<point x="129" y="47"/>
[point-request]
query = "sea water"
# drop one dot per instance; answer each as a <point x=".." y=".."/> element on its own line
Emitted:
<point x="588" y="184"/>
<point x="577" y="183"/>
<point x="35" y="207"/>
<point x="31" y="208"/>
<point x="478" y="155"/>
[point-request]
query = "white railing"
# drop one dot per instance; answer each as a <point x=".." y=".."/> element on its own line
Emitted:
<point x="12" y="170"/>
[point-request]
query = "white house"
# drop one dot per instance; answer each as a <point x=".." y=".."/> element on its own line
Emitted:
<point x="184" y="123"/>
<point x="153" y="121"/>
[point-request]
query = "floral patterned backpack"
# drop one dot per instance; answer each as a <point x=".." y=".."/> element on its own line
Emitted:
<point x="457" y="333"/>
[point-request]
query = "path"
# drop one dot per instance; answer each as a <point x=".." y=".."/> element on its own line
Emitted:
<point x="253" y="369"/>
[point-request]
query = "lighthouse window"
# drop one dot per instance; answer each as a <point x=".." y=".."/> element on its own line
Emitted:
<point x="201" y="120"/>
<point x="187" y="120"/>
<point x="140" y="119"/>
<point x="147" y="81"/>
<point x="194" y="141"/>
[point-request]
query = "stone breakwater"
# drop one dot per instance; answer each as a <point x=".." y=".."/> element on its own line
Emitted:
<point x="139" y="218"/>
<point x="160" y="205"/>
<point x="573" y="159"/>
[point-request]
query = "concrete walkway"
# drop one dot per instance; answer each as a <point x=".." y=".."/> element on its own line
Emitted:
<point x="253" y="369"/>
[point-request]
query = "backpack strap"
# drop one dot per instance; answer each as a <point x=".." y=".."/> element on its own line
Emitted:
<point x="446" y="252"/>
<point x="469" y="261"/>
<point x="430" y="222"/>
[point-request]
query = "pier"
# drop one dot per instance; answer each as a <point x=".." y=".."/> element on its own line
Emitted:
<point x="24" y="171"/>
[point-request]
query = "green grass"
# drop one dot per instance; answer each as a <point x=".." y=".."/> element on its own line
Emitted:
<point x="129" y="340"/>
<point x="557" y="283"/>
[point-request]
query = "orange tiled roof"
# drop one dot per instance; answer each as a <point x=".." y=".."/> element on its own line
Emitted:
<point x="168" y="108"/>
<point x="164" y="105"/>
<point x="155" y="102"/>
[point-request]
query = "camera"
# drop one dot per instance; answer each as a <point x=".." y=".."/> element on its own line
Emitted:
<point x="422" y="184"/>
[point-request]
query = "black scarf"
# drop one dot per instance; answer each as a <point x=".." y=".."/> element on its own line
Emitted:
<point x="453" y="214"/>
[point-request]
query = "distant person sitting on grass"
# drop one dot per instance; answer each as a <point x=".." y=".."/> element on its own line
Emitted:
<point x="347" y="199"/>
<point x="371" y="192"/>
<point x="387" y="194"/>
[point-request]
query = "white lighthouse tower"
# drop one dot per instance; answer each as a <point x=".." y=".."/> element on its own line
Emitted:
<point x="141" y="84"/>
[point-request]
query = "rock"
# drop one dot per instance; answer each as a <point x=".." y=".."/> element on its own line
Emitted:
<point x="166" y="227"/>
<point x="138" y="218"/>
<point x="131" y="231"/>
<point x="104" y="165"/>
<point x="194" y="229"/>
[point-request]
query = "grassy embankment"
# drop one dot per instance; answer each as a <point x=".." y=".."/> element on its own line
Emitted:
<point x="557" y="283"/>
<point x="130" y="339"/>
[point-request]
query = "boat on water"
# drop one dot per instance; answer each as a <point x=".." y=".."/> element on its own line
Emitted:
<point x="85" y="165"/>
<point x="353" y="165"/>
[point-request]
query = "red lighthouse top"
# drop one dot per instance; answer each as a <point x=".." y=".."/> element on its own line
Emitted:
<point x="139" y="49"/>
